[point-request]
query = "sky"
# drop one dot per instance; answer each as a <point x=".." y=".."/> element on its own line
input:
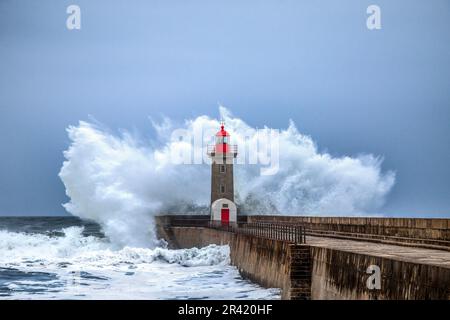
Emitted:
<point x="353" y="90"/>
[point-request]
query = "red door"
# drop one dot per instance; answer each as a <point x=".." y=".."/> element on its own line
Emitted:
<point x="225" y="216"/>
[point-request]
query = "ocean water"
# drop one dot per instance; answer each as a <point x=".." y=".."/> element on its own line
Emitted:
<point x="68" y="258"/>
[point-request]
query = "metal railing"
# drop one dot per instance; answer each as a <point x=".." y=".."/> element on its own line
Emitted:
<point x="293" y="233"/>
<point x="282" y="232"/>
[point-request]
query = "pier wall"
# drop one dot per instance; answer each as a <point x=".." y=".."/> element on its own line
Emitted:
<point x="321" y="272"/>
<point x="437" y="230"/>
<point x="341" y="275"/>
<point x="267" y="262"/>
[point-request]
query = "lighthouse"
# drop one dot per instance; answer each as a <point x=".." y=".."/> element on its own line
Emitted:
<point x="222" y="154"/>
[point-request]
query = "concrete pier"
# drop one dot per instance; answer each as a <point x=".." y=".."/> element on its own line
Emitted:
<point x="333" y="263"/>
<point x="339" y="270"/>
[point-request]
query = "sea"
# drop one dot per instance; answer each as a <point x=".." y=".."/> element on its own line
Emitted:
<point x="70" y="258"/>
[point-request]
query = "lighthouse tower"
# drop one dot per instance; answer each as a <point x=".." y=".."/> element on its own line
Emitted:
<point x="222" y="154"/>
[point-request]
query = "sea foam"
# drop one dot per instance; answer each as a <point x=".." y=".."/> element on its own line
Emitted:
<point x="74" y="266"/>
<point x="121" y="182"/>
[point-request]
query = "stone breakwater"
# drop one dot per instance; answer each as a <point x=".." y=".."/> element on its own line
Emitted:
<point x="330" y="267"/>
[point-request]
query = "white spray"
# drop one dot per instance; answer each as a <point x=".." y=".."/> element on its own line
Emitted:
<point x="122" y="184"/>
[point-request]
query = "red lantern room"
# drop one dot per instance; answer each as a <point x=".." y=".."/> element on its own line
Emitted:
<point x="222" y="144"/>
<point x="222" y="138"/>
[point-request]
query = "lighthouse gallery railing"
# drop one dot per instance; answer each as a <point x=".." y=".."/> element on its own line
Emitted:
<point x="212" y="149"/>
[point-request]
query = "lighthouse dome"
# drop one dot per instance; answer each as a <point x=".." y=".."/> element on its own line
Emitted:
<point x="222" y="132"/>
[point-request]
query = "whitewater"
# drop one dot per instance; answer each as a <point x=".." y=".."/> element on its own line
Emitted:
<point x="120" y="182"/>
<point x="73" y="263"/>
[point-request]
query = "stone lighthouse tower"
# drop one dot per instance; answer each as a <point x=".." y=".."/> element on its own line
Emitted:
<point x="222" y="154"/>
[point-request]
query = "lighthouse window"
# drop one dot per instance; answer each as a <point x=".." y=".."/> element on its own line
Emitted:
<point x="222" y="168"/>
<point x="222" y="188"/>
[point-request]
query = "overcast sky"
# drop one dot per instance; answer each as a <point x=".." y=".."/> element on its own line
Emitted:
<point x="354" y="90"/>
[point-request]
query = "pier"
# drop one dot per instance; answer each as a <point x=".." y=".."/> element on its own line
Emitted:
<point x="327" y="257"/>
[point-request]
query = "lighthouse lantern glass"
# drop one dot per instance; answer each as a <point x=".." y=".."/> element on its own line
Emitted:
<point x="221" y="140"/>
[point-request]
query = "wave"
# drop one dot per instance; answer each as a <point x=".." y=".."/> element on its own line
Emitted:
<point x="73" y="266"/>
<point x="74" y="248"/>
<point x="121" y="182"/>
